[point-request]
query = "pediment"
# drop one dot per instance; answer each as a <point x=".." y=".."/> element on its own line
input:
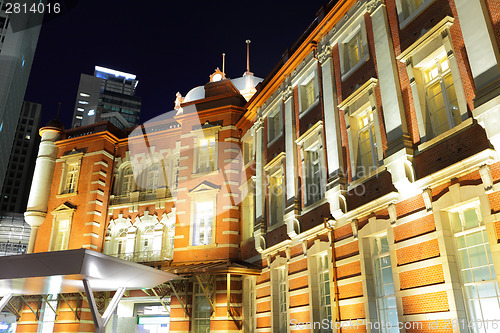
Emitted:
<point x="204" y="187"/>
<point x="64" y="208"/>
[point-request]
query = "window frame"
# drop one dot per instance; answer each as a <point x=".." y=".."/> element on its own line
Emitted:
<point x="312" y="139"/>
<point x="427" y="47"/>
<point x="197" y="294"/>
<point x="311" y="77"/>
<point x="249" y="304"/>
<point x="279" y="264"/>
<point x="206" y="134"/>
<point x="358" y="31"/>
<point x="355" y="106"/>
<point x="206" y="194"/>
<point x="62" y="213"/>
<point x="276" y="111"/>
<point x="74" y="159"/>
<point x="276" y="168"/>
<point x="481" y="228"/>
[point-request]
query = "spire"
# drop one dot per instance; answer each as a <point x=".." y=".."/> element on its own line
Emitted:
<point x="248" y="58"/>
<point x="224" y="63"/>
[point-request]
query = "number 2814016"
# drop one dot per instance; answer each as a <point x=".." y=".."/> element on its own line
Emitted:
<point x="35" y="8"/>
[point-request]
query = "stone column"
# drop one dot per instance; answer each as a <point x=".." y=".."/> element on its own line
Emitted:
<point x="36" y="210"/>
<point x="335" y="189"/>
<point x="481" y="46"/>
<point x="259" y="186"/>
<point x="291" y="207"/>
<point x="399" y="155"/>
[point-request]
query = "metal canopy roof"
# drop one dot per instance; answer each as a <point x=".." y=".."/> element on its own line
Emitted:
<point x="63" y="272"/>
<point x="212" y="267"/>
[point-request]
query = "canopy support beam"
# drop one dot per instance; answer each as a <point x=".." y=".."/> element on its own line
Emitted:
<point x="179" y="299"/>
<point x="206" y="293"/>
<point x="101" y="322"/>
<point x="70" y="307"/>
<point x="5" y="300"/>
<point x="161" y="301"/>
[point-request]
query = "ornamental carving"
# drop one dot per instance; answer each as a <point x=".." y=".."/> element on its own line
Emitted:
<point x="325" y="54"/>
<point x="372" y="5"/>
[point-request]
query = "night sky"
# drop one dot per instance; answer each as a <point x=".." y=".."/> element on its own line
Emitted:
<point x="170" y="45"/>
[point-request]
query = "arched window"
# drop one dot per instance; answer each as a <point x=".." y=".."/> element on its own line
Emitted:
<point x="121" y="243"/>
<point x="127" y="180"/>
<point x="168" y="242"/>
<point x="153" y="178"/>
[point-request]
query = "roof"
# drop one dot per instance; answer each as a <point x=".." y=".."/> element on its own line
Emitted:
<point x="63" y="271"/>
<point x="215" y="267"/>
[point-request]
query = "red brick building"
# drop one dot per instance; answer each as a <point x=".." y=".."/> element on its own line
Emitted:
<point x="358" y="186"/>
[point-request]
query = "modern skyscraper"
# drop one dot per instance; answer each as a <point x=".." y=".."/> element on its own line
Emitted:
<point x="108" y="95"/>
<point x="18" y="39"/>
<point x="19" y="173"/>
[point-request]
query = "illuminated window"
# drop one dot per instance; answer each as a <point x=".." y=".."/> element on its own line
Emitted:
<point x="127" y="180"/>
<point x="441" y="97"/>
<point x="169" y="238"/>
<point x="147" y="238"/>
<point x="308" y="92"/>
<point x="314" y="175"/>
<point x="61" y="234"/>
<point x="323" y="291"/>
<point x="478" y="276"/>
<point x="203" y="222"/>
<point x="202" y="311"/>
<point x="121" y="242"/>
<point x="206" y="154"/>
<point x="355" y="49"/>
<point x="247" y="212"/>
<point x="280" y="300"/>
<point x="367" y="151"/>
<point x="276" y="198"/>
<point x="248" y="150"/>
<point x="408" y="9"/>
<point x="70" y="178"/>
<point x="274" y="124"/>
<point x="384" y="285"/>
<point x="83" y="102"/>
<point x="84" y="94"/>
<point x="249" y="299"/>
<point x="153" y="178"/>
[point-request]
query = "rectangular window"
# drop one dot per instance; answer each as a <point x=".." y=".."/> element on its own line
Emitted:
<point x="384" y="286"/>
<point x="323" y="276"/>
<point x="367" y="151"/>
<point x="61" y="234"/>
<point x="308" y="92"/>
<point x="355" y="50"/>
<point x="249" y="298"/>
<point x="441" y="97"/>
<point x="70" y="178"/>
<point x="203" y="222"/>
<point x="276" y="198"/>
<point x="248" y="152"/>
<point x="202" y="311"/>
<point x="206" y="154"/>
<point x="248" y="213"/>
<point x="478" y="275"/>
<point x="280" y="300"/>
<point x="314" y="175"/>
<point x="274" y="125"/>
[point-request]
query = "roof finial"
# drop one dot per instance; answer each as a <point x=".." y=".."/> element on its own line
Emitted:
<point x="224" y="63"/>
<point x="248" y="58"/>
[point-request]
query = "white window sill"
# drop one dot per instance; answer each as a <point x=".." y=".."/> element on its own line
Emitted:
<point x="403" y="23"/>
<point x="455" y="130"/>
<point x="204" y="174"/>
<point x="65" y="195"/>
<point x="355" y="67"/>
<point x="194" y="247"/>
<point x="372" y="174"/>
<point x="313" y="206"/>
<point x="276" y="226"/>
<point x="312" y="106"/>
<point x="270" y="143"/>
